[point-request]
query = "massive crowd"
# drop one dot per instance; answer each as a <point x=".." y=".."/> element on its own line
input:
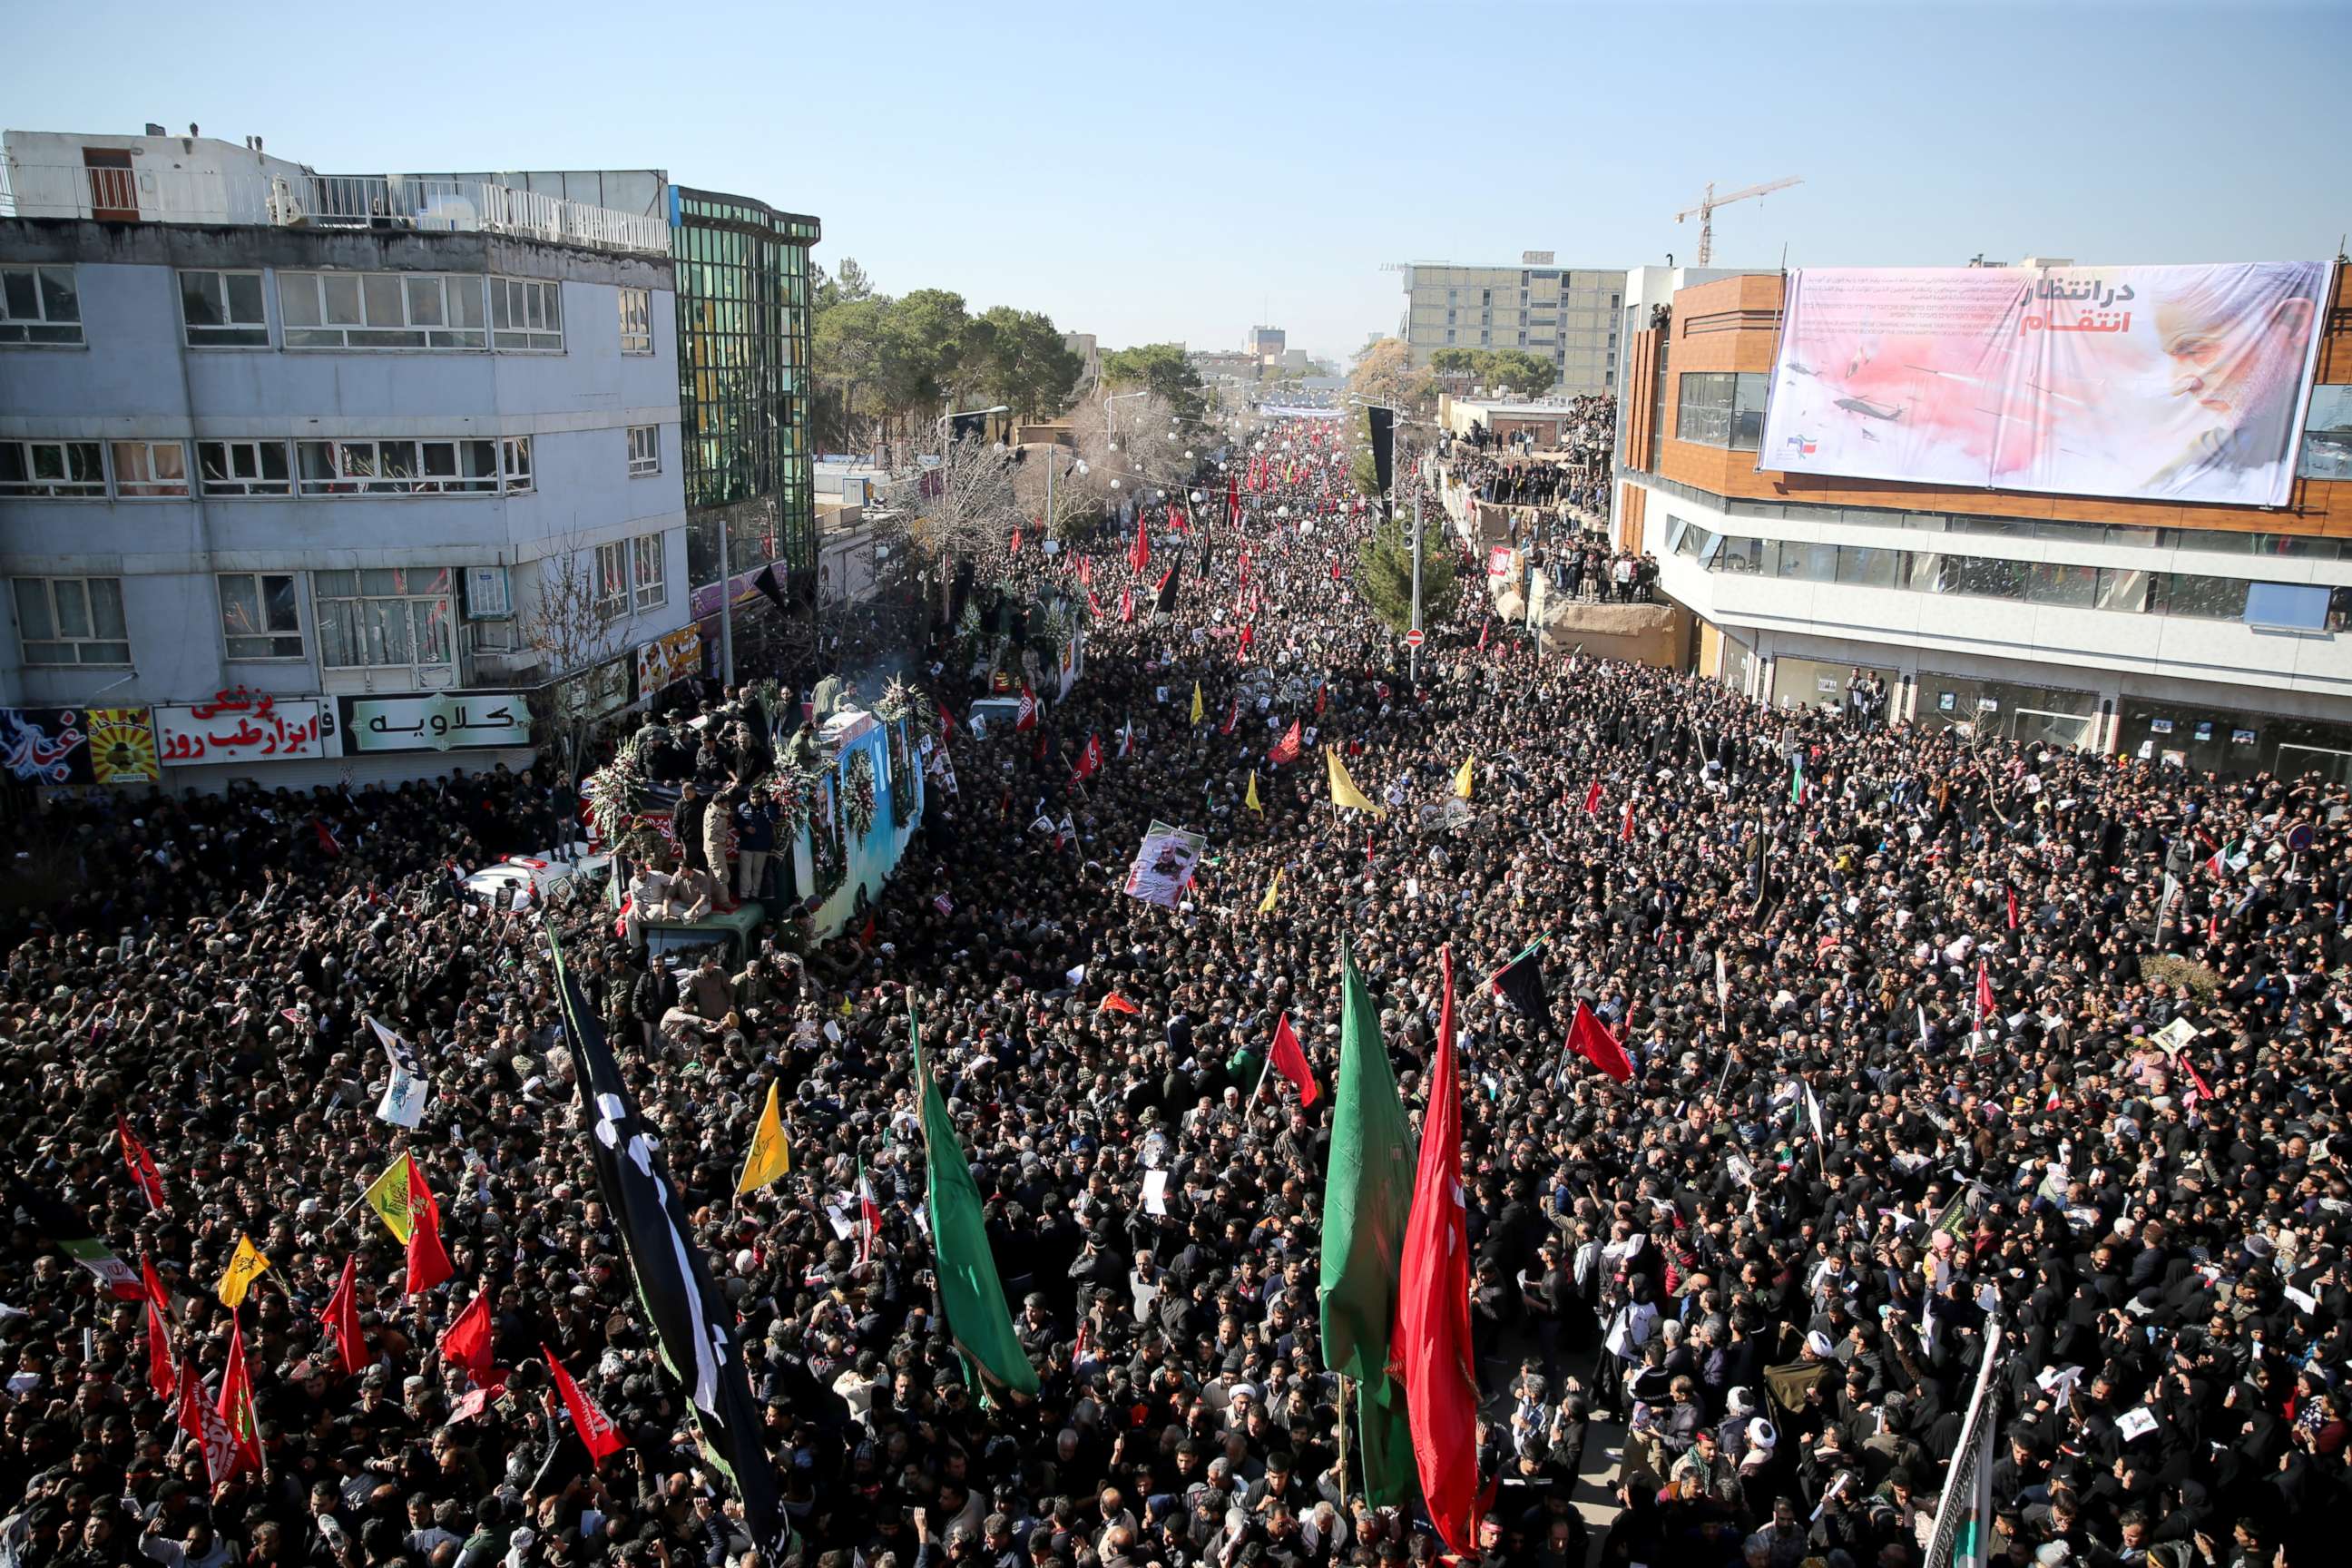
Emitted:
<point x="1776" y="1258"/>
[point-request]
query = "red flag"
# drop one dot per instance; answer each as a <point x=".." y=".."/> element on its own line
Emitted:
<point x="869" y="1217"/>
<point x="1249" y="636"/>
<point x="1233" y="714"/>
<point x="1086" y="571"/>
<point x="1090" y="761"/>
<point x="206" y="1428"/>
<point x="595" y="1428"/>
<point x="142" y="1164"/>
<point x="1094" y="606"/>
<point x="2010" y="892"/>
<point x="466" y="1341"/>
<point x="1288" y="1059"/>
<point x="1233" y="505"/>
<point x="866" y="937"/>
<point x="1430" y="1346"/>
<point x="1592" y="799"/>
<point x="162" y="1375"/>
<point x="429" y="1264"/>
<point x="1286" y="750"/>
<point x="1335" y="569"/>
<point x="1590" y="1039"/>
<point x="1176" y="520"/>
<point x="1483" y="630"/>
<point x="342" y="1319"/>
<point x="235" y="1408"/>
<point x="328" y="844"/>
<point x="1138" y="557"/>
<point x="1016" y="543"/>
<point x="1115" y="1002"/>
<point x="1126" y="604"/>
<point x="1985" y="1002"/>
<point x="1625" y="833"/>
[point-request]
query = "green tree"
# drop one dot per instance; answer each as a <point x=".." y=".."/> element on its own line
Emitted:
<point x="1452" y="361"/>
<point x="1384" y="574"/>
<point x="1530" y="375"/>
<point x="1021" y="361"/>
<point x="1163" y="368"/>
<point x="924" y="338"/>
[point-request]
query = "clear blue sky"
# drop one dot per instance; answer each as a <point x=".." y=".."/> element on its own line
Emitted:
<point x="1170" y="171"/>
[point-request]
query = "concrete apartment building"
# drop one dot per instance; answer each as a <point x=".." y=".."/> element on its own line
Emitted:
<point x="292" y="465"/>
<point x="1570" y="315"/>
<point x="2213" y="637"/>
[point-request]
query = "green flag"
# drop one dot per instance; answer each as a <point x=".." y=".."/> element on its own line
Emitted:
<point x="969" y="1291"/>
<point x="1796" y="780"/>
<point x="1366" y="1194"/>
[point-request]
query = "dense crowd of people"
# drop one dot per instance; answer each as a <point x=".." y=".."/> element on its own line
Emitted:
<point x="1937" y="1041"/>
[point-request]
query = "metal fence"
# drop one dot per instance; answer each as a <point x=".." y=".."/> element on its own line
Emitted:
<point x="322" y="201"/>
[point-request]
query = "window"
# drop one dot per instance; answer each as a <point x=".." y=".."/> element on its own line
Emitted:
<point x="645" y="451"/>
<point x="39" y="305"/>
<point x="1806" y="562"/>
<point x="637" y="321"/>
<point x="71" y="621"/>
<point x="2076" y="588"/>
<point x="144" y="468"/>
<point x="377" y="618"/>
<point x="2121" y="588"/>
<point x="612" y="580"/>
<point x="525" y="314"/>
<point x="399" y="467"/>
<point x="52" y="469"/>
<point x="516" y="452"/>
<point x="1984" y="578"/>
<point x="259" y="615"/>
<point x="1744" y="557"/>
<point x="380" y="310"/>
<point x="223" y="310"/>
<point x="1748" y="410"/>
<point x="2206" y="598"/>
<point x="1703" y="414"/>
<point x="244" y="469"/>
<point x="1865" y="566"/>
<point x="653" y="584"/>
<point x="2300" y="606"/>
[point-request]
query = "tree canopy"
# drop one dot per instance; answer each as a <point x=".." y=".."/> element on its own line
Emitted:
<point x="1162" y="369"/>
<point x="1384" y="574"/>
<point x="885" y="361"/>
<point x="1384" y="372"/>
<point x="1528" y="374"/>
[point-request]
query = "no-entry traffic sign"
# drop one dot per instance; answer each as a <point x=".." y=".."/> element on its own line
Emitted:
<point x="1413" y="639"/>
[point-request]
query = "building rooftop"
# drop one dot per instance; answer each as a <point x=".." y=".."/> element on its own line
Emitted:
<point x="199" y="180"/>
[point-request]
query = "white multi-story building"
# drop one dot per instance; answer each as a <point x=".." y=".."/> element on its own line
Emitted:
<point x="2218" y="638"/>
<point x="381" y="459"/>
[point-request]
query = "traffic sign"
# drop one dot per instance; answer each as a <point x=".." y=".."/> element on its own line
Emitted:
<point x="1415" y="637"/>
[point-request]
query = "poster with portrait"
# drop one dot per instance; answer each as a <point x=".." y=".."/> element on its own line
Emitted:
<point x="1164" y="865"/>
<point x="2180" y="384"/>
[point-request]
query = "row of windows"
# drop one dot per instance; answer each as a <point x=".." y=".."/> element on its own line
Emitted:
<point x="140" y="469"/>
<point x="2126" y="590"/>
<point x="2290" y="546"/>
<point x="372" y="617"/>
<point x="223" y="309"/>
<point x="1720" y="408"/>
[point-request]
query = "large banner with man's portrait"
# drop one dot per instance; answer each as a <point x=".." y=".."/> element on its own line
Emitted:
<point x="2183" y="384"/>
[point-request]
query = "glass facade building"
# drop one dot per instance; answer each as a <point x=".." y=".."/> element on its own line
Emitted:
<point x="743" y="369"/>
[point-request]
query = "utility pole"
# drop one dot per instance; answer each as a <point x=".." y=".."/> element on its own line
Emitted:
<point x="1414" y="645"/>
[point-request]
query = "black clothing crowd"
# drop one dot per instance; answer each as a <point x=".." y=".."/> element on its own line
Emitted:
<point x="2134" y="1162"/>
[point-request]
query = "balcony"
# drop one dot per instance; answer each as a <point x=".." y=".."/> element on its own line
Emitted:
<point x="323" y="201"/>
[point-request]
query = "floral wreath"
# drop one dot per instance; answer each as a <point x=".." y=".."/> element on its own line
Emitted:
<point x="858" y="804"/>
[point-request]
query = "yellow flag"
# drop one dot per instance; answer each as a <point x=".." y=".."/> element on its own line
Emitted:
<point x="244" y="1268"/>
<point x="1343" y="788"/>
<point x="1252" y="801"/>
<point x="1198" y="707"/>
<point x="388" y="1195"/>
<point x="1461" y="780"/>
<point x="1266" y="904"/>
<point x="770" y="1156"/>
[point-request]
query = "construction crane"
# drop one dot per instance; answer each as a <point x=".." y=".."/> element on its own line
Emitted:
<point x="1704" y="211"/>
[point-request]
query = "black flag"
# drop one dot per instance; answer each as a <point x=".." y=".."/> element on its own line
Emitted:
<point x="1520" y="982"/>
<point x="1165" y="605"/>
<point x="696" y="1331"/>
<point x="766" y="582"/>
<point x="1383" y="424"/>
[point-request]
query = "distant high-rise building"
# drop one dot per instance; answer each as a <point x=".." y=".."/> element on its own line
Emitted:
<point x="1267" y="344"/>
<point x="1565" y="314"/>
